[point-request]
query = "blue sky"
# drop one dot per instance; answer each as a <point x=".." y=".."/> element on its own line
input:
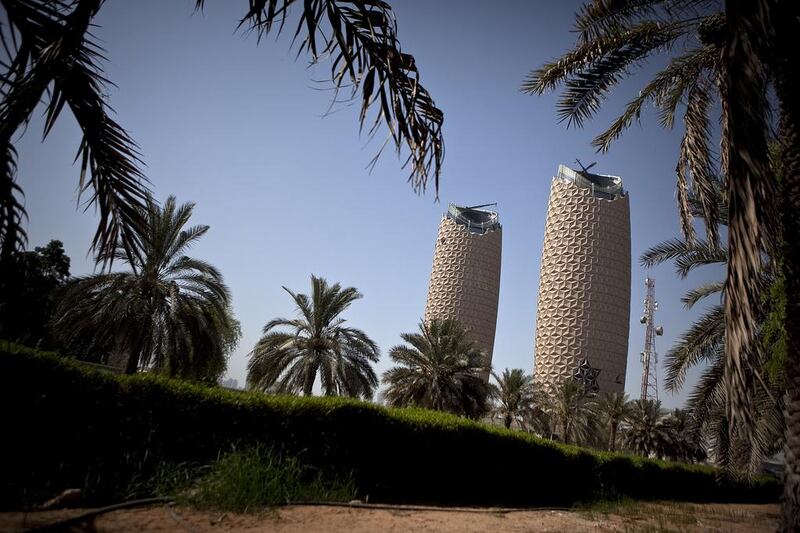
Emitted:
<point x="237" y="127"/>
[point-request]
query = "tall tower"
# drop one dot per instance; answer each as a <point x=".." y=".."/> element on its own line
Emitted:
<point x="465" y="279"/>
<point x="583" y="311"/>
<point x="649" y="355"/>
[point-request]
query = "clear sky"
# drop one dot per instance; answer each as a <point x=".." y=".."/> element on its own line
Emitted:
<point x="237" y="127"/>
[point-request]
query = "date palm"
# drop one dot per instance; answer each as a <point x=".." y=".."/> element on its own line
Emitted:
<point x="572" y="409"/>
<point x="775" y="26"/>
<point x="50" y="56"/>
<point x="169" y="313"/>
<point x="703" y="345"/>
<point x="613" y="408"/>
<point x="647" y="431"/>
<point x="541" y="419"/>
<point x="439" y="368"/>
<point x="316" y="345"/>
<point x="740" y="51"/>
<point x="515" y="396"/>
<point x="688" y="444"/>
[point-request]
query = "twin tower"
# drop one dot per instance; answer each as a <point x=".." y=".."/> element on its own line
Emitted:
<point x="583" y="313"/>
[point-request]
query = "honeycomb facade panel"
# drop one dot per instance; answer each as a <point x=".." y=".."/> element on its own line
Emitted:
<point x="583" y="310"/>
<point x="465" y="278"/>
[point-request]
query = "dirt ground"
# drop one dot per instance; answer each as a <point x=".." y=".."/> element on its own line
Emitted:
<point x="627" y="517"/>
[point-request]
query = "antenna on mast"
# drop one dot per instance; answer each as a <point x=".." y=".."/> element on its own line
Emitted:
<point x="649" y="356"/>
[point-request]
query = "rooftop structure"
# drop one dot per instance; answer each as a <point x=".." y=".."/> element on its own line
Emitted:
<point x="474" y="219"/>
<point x="601" y="185"/>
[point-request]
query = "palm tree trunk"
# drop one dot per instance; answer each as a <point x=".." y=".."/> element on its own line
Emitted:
<point x="787" y="87"/>
<point x="507" y="421"/>
<point x="612" y="440"/>
<point x="750" y="197"/>
<point x="122" y="358"/>
<point x="133" y="363"/>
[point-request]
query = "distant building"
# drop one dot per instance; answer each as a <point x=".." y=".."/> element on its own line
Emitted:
<point x="583" y="312"/>
<point x="465" y="278"/>
<point x="229" y="383"/>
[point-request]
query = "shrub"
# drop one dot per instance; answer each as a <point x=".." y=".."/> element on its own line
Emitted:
<point x="258" y="477"/>
<point x="68" y="426"/>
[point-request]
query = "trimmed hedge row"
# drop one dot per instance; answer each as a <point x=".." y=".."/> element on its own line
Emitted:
<point x="67" y="426"/>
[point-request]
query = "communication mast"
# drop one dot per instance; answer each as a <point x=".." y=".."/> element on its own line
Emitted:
<point x="649" y="357"/>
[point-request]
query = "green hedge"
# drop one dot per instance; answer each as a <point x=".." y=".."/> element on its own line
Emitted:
<point x="68" y="426"/>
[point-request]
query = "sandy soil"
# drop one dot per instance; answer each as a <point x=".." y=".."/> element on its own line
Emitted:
<point x="727" y="518"/>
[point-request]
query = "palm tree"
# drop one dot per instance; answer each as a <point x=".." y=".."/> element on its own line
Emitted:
<point x="540" y="419"/>
<point x="317" y="344"/>
<point x="169" y="313"/>
<point x="704" y="343"/>
<point x="52" y="57"/>
<point x="613" y="408"/>
<point x="572" y="408"/>
<point x="515" y="396"/>
<point x="687" y="440"/>
<point x="740" y="52"/>
<point x="647" y="432"/>
<point x="784" y="68"/>
<point x="439" y="368"/>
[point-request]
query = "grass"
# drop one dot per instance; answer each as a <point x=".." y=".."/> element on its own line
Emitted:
<point x="662" y="516"/>
<point x="249" y="480"/>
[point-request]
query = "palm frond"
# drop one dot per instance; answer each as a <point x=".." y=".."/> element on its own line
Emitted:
<point x="109" y="157"/>
<point x="704" y="291"/>
<point x="12" y="213"/>
<point x="681" y="72"/>
<point x="682" y="189"/>
<point x="701" y="256"/>
<point x="707" y="398"/>
<point x="601" y="17"/>
<point x="185" y="239"/>
<point x="589" y="71"/>
<point x="695" y="152"/>
<point x="56" y="50"/>
<point x="724" y="124"/>
<point x="687" y="255"/>
<point x="597" y="18"/>
<point x="360" y="40"/>
<point x="696" y="206"/>
<point x="178" y="268"/>
<point x="696" y="345"/>
<point x="583" y="57"/>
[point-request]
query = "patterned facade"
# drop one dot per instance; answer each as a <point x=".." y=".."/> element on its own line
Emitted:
<point x="585" y="285"/>
<point x="465" y="278"/>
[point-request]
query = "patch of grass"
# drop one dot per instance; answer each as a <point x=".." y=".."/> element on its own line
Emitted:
<point x="254" y="478"/>
<point x="173" y="480"/>
<point x="600" y="509"/>
<point x="640" y="516"/>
